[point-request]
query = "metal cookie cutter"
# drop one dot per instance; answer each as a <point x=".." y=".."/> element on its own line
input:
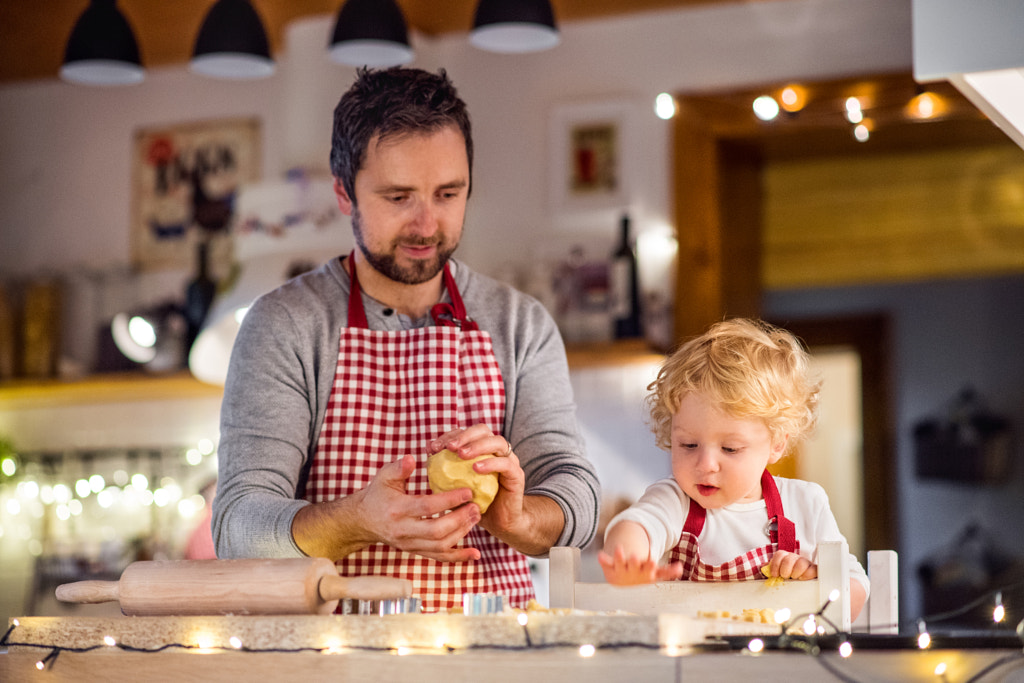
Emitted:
<point x="477" y="604"/>
<point x="381" y="607"/>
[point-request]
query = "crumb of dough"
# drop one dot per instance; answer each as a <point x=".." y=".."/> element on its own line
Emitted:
<point x="714" y="614"/>
<point x="771" y="581"/>
<point x="758" y="616"/>
<point x="447" y="471"/>
<point x="534" y="606"/>
<point x="750" y="615"/>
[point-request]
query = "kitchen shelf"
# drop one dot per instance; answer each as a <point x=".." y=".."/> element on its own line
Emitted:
<point x="138" y="386"/>
<point x="619" y="352"/>
<point x="107" y="388"/>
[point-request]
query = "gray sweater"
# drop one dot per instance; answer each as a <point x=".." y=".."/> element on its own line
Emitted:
<point x="280" y="377"/>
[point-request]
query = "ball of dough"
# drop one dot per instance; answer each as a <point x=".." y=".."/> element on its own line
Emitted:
<point x="447" y="471"/>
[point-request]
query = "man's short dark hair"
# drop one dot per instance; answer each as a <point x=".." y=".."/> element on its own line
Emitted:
<point x="388" y="103"/>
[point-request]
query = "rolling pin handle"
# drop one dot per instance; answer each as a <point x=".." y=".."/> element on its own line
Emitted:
<point x="88" y="592"/>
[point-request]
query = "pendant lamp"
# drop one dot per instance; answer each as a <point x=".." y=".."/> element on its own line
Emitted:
<point x="102" y="49"/>
<point x="232" y="43"/>
<point x="511" y="26"/>
<point x="370" y="33"/>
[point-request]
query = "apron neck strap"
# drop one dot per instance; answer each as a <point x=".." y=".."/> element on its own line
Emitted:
<point x="356" y="312"/>
<point x="695" y="519"/>
<point x="783" y="531"/>
<point x="453" y="314"/>
<point x="446" y="314"/>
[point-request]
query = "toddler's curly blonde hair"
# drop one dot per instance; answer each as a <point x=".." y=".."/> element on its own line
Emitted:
<point x="748" y="368"/>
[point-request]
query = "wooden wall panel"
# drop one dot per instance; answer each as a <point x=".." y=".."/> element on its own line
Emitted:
<point x="894" y="218"/>
<point x="718" y="208"/>
<point x="698" y="220"/>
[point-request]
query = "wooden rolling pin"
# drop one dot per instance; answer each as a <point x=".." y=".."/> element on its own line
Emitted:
<point x="204" y="587"/>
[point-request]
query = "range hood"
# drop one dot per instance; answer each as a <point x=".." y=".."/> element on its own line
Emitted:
<point x="978" y="46"/>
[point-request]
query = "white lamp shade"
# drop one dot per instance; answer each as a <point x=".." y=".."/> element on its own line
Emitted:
<point x="372" y="53"/>
<point x="514" y="38"/>
<point x="102" y="72"/>
<point x="208" y="359"/>
<point x="230" y="65"/>
<point x="280" y="228"/>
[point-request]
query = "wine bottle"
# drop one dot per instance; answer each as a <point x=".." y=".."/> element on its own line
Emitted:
<point x="198" y="296"/>
<point x="624" y="289"/>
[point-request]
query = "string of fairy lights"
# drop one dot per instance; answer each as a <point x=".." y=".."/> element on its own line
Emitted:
<point x="808" y="633"/>
<point x="791" y="99"/>
<point x="88" y="506"/>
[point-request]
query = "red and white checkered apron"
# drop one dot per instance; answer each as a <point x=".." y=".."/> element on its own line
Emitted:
<point x="782" y="534"/>
<point x="393" y="392"/>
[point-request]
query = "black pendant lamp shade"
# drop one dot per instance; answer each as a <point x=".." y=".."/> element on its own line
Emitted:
<point x="102" y="49"/>
<point x="511" y="26"/>
<point x="232" y="43"/>
<point x="370" y="33"/>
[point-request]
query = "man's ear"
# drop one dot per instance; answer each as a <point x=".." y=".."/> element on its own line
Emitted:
<point x="345" y="202"/>
<point x="778" y="449"/>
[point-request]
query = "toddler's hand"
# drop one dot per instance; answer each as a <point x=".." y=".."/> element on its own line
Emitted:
<point x="622" y="571"/>
<point x="791" y="566"/>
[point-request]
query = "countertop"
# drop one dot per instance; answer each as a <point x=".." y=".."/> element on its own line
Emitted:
<point x="426" y="648"/>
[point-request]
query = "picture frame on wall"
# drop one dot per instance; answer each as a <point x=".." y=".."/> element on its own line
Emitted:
<point x="589" y="156"/>
<point x="185" y="178"/>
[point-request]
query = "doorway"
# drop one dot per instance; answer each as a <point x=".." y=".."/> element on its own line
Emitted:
<point x="851" y="454"/>
<point x="832" y="456"/>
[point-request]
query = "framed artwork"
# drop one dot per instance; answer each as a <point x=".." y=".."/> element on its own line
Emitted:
<point x="589" y="163"/>
<point x="185" y="179"/>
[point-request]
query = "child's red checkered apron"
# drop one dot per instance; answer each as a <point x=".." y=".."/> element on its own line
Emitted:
<point x="393" y="392"/>
<point x="782" y="534"/>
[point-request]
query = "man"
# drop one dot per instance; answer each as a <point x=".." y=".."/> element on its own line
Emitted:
<point x="342" y="381"/>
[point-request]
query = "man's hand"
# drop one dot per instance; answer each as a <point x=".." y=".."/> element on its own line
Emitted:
<point x="407" y="521"/>
<point x="384" y="513"/>
<point x="530" y="524"/>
